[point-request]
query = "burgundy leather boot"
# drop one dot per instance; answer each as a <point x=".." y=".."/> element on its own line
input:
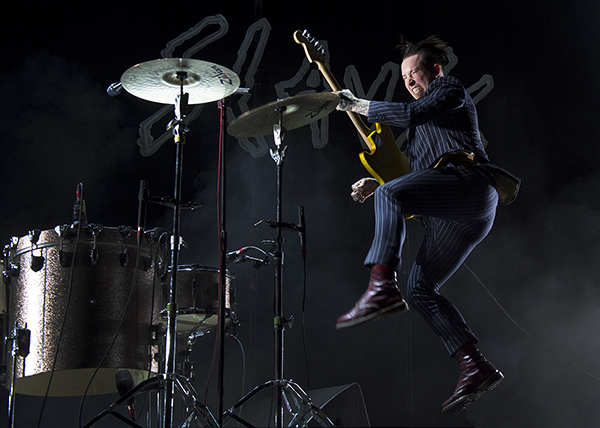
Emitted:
<point x="477" y="375"/>
<point x="381" y="297"/>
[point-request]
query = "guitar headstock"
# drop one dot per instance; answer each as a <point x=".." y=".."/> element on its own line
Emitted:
<point x="313" y="49"/>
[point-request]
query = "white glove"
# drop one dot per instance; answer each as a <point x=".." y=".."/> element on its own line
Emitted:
<point x="347" y="100"/>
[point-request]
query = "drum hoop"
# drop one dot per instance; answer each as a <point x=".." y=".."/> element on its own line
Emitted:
<point x="192" y="267"/>
<point x="98" y="242"/>
<point x="36" y="247"/>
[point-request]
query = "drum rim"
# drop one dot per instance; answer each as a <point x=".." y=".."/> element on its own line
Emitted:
<point x="189" y="267"/>
<point x="71" y="241"/>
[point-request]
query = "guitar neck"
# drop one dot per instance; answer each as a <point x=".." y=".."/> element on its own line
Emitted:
<point x="356" y="119"/>
<point x="384" y="161"/>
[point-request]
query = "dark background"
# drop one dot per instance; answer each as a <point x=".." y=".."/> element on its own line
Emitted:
<point x="58" y="127"/>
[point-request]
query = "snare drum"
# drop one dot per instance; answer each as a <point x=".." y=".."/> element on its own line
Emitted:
<point x="84" y="296"/>
<point x="198" y="297"/>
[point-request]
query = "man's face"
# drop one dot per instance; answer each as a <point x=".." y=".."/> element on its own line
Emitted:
<point x="416" y="76"/>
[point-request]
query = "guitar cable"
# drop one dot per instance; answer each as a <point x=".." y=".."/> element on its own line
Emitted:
<point x="520" y="327"/>
<point x="67" y="304"/>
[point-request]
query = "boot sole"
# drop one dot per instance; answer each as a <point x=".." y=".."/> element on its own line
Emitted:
<point x="466" y="400"/>
<point x="394" y="309"/>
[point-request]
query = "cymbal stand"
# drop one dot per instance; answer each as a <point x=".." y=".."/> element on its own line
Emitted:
<point x="200" y="411"/>
<point x="222" y="201"/>
<point x="169" y="381"/>
<point x="279" y="321"/>
<point x="301" y="400"/>
<point x="178" y="127"/>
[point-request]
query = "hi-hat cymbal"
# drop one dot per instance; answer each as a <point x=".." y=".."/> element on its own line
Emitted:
<point x="297" y="111"/>
<point x="159" y="80"/>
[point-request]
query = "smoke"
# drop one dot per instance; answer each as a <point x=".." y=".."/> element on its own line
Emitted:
<point x="59" y="128"/>
<point x="538" y="268"/>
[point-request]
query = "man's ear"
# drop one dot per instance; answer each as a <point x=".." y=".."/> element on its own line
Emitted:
<point x="439" y="72"/>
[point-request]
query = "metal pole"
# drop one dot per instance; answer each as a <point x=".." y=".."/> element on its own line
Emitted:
<point x="222" y="266"/>
<point x="279" y="322"/>
<point x="171" y="345"/>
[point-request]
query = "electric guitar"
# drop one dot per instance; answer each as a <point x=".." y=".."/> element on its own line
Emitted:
<point x="385" y="162"/>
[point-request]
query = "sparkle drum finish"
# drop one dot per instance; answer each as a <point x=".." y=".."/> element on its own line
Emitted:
<point x="91" y="306"/>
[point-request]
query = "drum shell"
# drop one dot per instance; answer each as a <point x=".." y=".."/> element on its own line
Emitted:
<point x="94" y="305"/>
<point x="198" y="296"/>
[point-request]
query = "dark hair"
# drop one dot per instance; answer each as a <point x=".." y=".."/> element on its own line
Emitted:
<point x="432" y="50"/>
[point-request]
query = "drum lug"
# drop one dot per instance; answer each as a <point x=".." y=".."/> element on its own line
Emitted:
<point x="65" y="232"/>
<point x="11" y="270"/>
<point x="36" y="263"/>
<point x="125" y="232"/>
<point x="95" y="230"/>
<point x="147" y="263"/>
<point x="21" y="340"/>
<point x="124" y="257"/>
<point x="6" y="276"/>
<point x="94" y="255"/>
<point x="34" y="236"/>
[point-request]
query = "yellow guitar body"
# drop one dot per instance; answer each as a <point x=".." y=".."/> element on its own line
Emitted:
<point x="385" y="162"/>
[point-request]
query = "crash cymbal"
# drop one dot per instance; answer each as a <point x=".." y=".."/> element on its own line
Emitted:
<point x="297" y="111"/>
<point x="159" y="81"/>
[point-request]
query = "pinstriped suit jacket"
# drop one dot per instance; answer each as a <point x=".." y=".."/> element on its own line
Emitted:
<point x="444" y="119"/>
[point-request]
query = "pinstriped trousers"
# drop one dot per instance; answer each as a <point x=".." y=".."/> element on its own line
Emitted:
<point x="459" y="204"/>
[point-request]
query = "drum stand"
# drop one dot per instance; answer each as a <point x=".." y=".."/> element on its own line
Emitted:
<point x="306" y="409"/>
<point x="167" y="382"/>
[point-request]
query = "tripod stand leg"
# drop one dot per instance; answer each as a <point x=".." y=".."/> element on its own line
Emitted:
<point x="306" y="409"/>
<point x="200" y="412"/>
